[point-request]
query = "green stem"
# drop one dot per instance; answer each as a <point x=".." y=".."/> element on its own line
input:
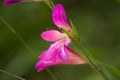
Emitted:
<point x="13" y="75"/>
<point x="53" y="76"/>
<point x="25" y="44"/>
<point x="49" y="3"/>
<point x="18" y="36"/>
<point x="90" y="59"/>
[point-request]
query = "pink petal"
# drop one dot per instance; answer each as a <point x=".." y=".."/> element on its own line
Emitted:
<point x="54" y="49"/>
<point x="63" y="54"/>
<point x="43" y="55"/>
<point x="59" y="17"/>
<point x="7" y="2"/>
<point x="53" y="35"/>
<point x="68" y="41"/>
<point x="50" y="53"/>
<point x="42" y="64"/>
<point x="73" y="57"/>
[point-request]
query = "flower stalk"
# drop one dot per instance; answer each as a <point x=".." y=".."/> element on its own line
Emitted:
<point x="87" y="56"/>
<point x="74" y="37"/>
<point x="13" y="75"/>
<point x="90" y="59"/>
<point x="49" y="3"/>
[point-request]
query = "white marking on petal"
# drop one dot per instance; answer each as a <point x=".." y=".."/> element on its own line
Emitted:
<point x="62" y="54"/>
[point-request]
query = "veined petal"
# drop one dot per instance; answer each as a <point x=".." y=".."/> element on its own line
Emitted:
<point x="7" y="2"/>
<point x="73" y="57"/>
<point x="42" y="64"/>
<point x="49" y="54"/>
<point x="59" y="17"/>
<point x="53" y="35"/>
<point x="52" y="51"/>
<point x="63" y="54"/>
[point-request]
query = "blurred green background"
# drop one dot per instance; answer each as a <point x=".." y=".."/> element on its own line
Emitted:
<point x="98" y="23"/>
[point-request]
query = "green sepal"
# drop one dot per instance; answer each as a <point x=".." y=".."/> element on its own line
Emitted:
<point x="68" y="33"/>
<point x="76" y="36"/>
<point x="49" y="3"/>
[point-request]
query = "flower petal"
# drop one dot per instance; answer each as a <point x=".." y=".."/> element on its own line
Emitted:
<point x="51" y="52"/>
<point x="7" y="2"/>
<point x="73" y="57"/>
<point x="63" y="54"/>
<point x="59" y="17"/>
<point x="40" y="66"/>
<point x="53" y="35"/>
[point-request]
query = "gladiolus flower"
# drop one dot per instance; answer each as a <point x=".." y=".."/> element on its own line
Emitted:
<point x="58" y="52"/>
<point x="59" y="17"/>
<point x="7" y="2"/>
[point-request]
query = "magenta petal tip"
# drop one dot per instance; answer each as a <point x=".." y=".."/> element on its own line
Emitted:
<point x="59" y="17"/>
<point x="7" y="2"/>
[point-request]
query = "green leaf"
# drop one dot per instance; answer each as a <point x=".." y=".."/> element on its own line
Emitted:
<point x="114" y="71"/>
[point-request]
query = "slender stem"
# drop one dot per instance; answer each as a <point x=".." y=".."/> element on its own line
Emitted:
<point x="53" y="76"/>
<point x="25" y="44"/>
<point x="88" y="56"/>
<point x="51" y="4"/>
<point x="91" y="60"/>
<point x="18" y="36"/>
<point x="13" y="75"/>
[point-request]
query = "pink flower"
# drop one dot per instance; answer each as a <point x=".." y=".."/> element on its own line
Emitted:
<point x="59" y="17"/>
<point x="7" y="2"/>
<point x="58" y="52"/>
